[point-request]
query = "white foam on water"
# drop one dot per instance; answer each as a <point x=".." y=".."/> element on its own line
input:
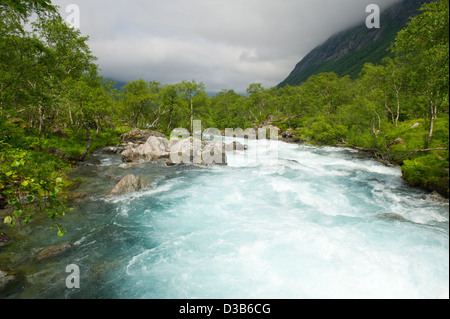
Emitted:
<point x="281" y="221"/>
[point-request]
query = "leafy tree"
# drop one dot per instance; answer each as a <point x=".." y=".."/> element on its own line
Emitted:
<point x="26" y="7"/>
<point x="175" y="104"/>
<point x="228" y="111"/>
<point x="195" y="96"/>
<point x="423" y="48"/>
<point x="257" y="100"/>
<point x="156" y="109"/>
<point x="35" y="64"/>
<point x="136" y="98"/>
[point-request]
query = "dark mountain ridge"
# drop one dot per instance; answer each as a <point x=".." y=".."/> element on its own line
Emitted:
<point x="346" y="52"/>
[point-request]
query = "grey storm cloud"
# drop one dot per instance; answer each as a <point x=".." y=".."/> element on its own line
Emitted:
<point x="226" y="44"/>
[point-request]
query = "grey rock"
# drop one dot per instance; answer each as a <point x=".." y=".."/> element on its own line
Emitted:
<point x="435" y="196"/>
<point x="128" y="155"/>
<point x="129" y="184"/>
<point x="138" y="136"/>
<point x="393" y="216"/>
<point x="5" y="279"/>
<point x="177" y="151"/>
<point x="53" y="251"/>
<point x="397" y="141"/>
<point x="196" y="151"/>
<point x="153" y="149"/>
<point x="113" y="149"/>
<point x="77" y="195"/>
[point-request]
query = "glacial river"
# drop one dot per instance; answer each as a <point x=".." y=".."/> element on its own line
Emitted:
<point x="279" y="221"/>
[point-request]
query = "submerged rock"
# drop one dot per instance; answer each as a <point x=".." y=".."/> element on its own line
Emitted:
<point x="5" y="279"/>
<point x="435" y="196"/>
<point x="4" y="239"/>
<point x="129" y="184"/>
<point x="393" y="216"/>
<point x="77" y="195"/>
<point x="53" y="251"/>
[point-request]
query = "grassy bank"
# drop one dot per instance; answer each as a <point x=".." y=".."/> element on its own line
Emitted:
<point x="32" y="179"/>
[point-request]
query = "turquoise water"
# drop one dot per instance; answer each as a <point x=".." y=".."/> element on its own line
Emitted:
<point x="280" y="221"/>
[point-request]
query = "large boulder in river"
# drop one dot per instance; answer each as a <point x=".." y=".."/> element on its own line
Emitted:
<point x="129" y="184"/>
<point x="128" y="155"/>
<point x="195" y="151"/>
<point x="177" y="151"/>
<point x="153" y="149"/>
<point x="137" y="136"/>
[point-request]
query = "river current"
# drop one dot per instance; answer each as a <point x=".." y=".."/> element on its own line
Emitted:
<point x="279" y="221"/>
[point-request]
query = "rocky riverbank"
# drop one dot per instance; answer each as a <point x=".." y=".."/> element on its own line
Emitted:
<point x="147" y="146"/>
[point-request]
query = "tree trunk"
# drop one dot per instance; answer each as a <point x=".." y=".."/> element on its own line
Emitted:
<point x="387" y="107"/>
<point x="435" y="109"/>
<point x="170" y="120"/>
<point x="397" y="93"/>
<point x="99" y="127"/>
<point x="136" y="120"/>
<point x="88" y="133"/>
<point x="40" y="120"/>
<point x="432" y="117"/>
<point x="192" y="116"/>
<point x="261" y="106"/>
<point x="157" y="119"/>
<point x="70" y="115"/>
<point x="379" y="119"/>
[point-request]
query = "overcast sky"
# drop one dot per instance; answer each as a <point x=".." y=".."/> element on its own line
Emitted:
<point x="226" y="44"/>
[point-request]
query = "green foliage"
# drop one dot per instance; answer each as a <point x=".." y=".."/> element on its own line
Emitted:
<point x="228" y="110"/>
<point x="423" y="46"/>
<point x="428" y="171"/>
<point x="25" y="7"/>
<point x="321" y="131"/>
<point x="30" y="187"/>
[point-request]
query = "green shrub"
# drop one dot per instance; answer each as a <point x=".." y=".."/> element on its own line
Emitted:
<point x="30" y="187"/>
<point x="430" y="172"/>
